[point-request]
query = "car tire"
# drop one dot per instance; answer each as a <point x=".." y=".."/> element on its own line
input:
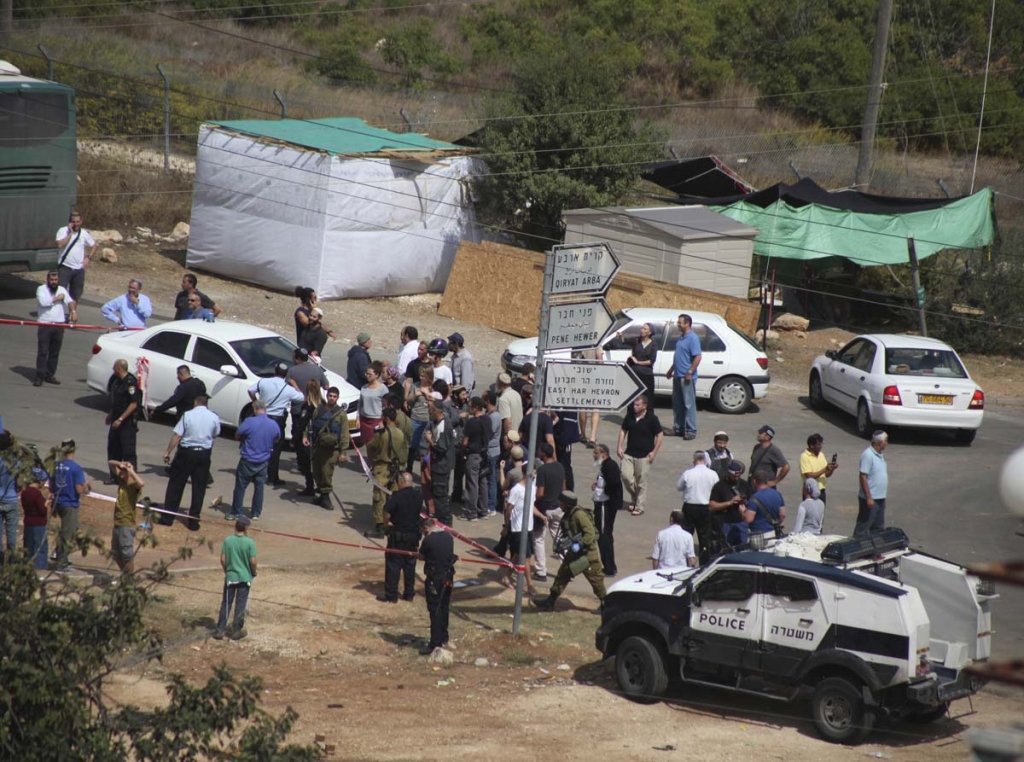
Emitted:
<point x="924" y="716"/>
<point x="815" y="394"/>
<point x="246" y="413"/>
<point x="864" y="425"/>
<point x="839" y="711"/>
<point x="965" y="436"/>
<point x="732" y="395"/>
<point x="640" y="670"/>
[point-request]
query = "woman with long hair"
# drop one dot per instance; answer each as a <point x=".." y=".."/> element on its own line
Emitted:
<point x="419" y="411"/>
<point x="307" y="301"/>
<point x="371" y="401"/>
<point x="303" y="454"/>
<point x="643" y="357"/>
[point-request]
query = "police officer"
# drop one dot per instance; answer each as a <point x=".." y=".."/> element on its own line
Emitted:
<point x="327" y="436"/>
<point x="125" y="400"/>
<point x="438" y="553"/>
<point x="578" y="541"/>
<point x="193" y="436"/>
<point x="279" y="396"/>
<point x="385" y="452"/>
<point x="184" y="397"/>
<point x="402" y="523"/>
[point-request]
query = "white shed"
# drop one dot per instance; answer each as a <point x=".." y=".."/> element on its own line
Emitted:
<point x="690" y="246"/>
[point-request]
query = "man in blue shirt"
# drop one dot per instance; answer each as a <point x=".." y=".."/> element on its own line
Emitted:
<point x="129" y="310"/>
<point x="258" y="435"/>
<point x="67" y="485"/>
<point x="684" y="379"/>
<point x="766" y="504"/>
<point x="874" y="486"/>
<point x="195" y="309"/>
<point x="279" y="397"/>
<point x="193" y="436"/>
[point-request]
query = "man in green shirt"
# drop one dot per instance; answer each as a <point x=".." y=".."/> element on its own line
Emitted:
<point x="238" y="560"/>
<point x="122" y="541"/>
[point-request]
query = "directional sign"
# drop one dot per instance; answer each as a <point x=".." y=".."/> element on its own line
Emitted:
<point x="582" y="385"/>
<point x="583" y="268"/>
<point x="579" y="325"/>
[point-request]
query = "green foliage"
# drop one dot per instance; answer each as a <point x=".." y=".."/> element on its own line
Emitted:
<point x="555" y="144"/>
<point x="340" y="58"/>
<point x="59" y="642"/>
<point x="412" y="47"/>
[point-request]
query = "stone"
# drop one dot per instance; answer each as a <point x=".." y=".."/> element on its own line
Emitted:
<point x="790" y="322"/>
<point x="799" y="335"/>
<point x="563" y="667"/>
<point x="107" y="236"/>
<point x="481" y="662"/>
<point x="180" y="232"/>
<point x="772" y="336"/>
<point x="108" y="255"/>
<point x="442" y="656"/>
<point x="143" y="232"/>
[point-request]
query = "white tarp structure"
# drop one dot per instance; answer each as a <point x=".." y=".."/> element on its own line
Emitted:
<point x="348" y="209"/>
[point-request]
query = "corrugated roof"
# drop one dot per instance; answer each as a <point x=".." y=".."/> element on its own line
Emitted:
<point x="339" y="135"/>
<point x="687" y="223"/>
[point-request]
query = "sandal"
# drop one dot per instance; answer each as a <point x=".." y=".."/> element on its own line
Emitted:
<point x="634" y="511"/>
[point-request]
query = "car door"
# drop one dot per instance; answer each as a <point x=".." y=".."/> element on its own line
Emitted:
<point x="725" y="618"/>
<point x="714" y="360"/>
<point x="794" y="621"/>
<point x="228" y="394"/>
<point x="845" y="375"/>
<point x="164" y="351"/>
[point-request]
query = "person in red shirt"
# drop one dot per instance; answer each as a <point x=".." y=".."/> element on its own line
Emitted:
<point x="34" y="504"/>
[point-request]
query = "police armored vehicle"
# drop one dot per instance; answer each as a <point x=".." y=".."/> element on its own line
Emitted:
<point x="861" y="627"/>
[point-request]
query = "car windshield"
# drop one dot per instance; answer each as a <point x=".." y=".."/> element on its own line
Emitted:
<point x="262" y="354"/>
<point x="923" y="362"/>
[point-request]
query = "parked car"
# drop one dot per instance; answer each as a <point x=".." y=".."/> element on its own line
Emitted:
<point x="228" y="357"/>
<point x="860" y="627"/>
<point x="891" y="380"/>
<point x="733" y="369"/>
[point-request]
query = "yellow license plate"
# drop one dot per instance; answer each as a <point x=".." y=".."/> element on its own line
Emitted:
<point x="935" y="399"/>
<point x="353" y="425"/>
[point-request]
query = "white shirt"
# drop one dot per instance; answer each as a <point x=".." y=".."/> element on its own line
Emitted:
<point x="410" y="350"/>
<point x="516" y="498"/>
<point x="673" y="547"/>
<point x="76" y="257"/>
<point x="443" y="373"/>
<point x="49" y="310"/>
<point x="696" y="483"/>
<point x="809" y="516"/>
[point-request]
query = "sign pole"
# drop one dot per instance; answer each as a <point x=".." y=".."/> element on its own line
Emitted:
<point x="538" y="394"/>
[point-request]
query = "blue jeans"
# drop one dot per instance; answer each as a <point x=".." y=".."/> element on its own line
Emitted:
<point x="684" y="407"/>
<point x="9" y="519"/>
<point x="418" y="427"/>
<point x="869" y="518"/>
<point x="37" y="546"/>
<point x="492" y="483"/>
<point x="247" y="472"/>
<point x="235" y="594"/>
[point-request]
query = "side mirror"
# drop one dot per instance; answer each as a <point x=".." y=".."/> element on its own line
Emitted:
<point x="229" y="370"/>
<point x="694" y="593"/>
<point x="831" y="354"/>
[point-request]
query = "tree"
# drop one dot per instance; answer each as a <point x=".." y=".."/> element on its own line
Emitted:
<point x="58" y="644"/>
<point x="564" y="140"/>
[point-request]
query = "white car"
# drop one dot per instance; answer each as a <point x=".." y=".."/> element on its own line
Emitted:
<point x="891" y="380"/>
<point x="733" y="369"/>
<point x="228" y="357"/>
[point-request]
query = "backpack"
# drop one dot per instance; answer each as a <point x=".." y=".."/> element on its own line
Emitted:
<point x="328" y="436"/>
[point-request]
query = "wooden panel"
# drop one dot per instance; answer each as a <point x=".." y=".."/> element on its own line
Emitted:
<point x="500" y="287"/>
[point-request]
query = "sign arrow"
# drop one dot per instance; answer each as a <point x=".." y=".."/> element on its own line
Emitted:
<point x="583" y="385"/>
<point x="583" y="268"/>
<point x="579" y="325"/>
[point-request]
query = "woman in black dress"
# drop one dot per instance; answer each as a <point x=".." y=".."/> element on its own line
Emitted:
<point x="643" y="357"/>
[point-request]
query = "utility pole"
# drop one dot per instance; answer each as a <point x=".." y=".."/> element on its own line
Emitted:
<point x="6" y="20"/>
<point x="875" y="89"/>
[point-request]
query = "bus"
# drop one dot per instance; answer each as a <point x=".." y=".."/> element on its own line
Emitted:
<point x="38" y="168"/>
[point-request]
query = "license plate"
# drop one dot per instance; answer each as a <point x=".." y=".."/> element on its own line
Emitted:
<point x="935" y="399"/>
<point x="353" y="425"/>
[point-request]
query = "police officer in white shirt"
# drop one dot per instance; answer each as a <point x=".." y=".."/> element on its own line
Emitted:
<point x="193" y="436"/>
<point x="278" y="395"/>
<point x="77" y="248"/>
<point x="51" y="299"/>
<point x="696" y="484"/>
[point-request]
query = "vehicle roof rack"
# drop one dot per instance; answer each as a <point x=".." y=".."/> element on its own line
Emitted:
<point x="868" y="546"/>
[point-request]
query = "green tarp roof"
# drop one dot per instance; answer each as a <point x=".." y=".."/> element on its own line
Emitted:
<point x="814" y="231"/>
<point x="341" y="135"/>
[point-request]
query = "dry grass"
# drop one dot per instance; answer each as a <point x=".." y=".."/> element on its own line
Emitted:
<point x="123" y="193"/>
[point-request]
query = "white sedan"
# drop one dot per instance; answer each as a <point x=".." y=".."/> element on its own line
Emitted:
<point x="733" y="369"/>
<point x="228" y="357"/>
<point x="891" y="380"/>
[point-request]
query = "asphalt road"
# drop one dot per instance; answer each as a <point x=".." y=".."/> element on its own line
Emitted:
<point x="943" y="495"/>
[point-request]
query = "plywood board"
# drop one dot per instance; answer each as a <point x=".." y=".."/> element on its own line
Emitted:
<point x="500" y="287"/>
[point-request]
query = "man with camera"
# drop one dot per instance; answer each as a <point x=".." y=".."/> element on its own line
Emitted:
<point x="385" y="454"/>
<point x="813" y="464"/>
<point x="577" y="542"/>
<point x="77" y="248"/>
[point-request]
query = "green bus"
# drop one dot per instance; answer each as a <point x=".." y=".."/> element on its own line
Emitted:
<point x="38" y="168"/>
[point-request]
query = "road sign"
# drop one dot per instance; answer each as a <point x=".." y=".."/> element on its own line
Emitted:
<point x="583" y="268"/>
<point x="579" y="325"/>
<point x="582" y="385"/>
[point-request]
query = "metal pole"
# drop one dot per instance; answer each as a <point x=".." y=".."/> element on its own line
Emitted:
<point x="167" y="118"/>
<point x="875" y="89"/>
<point x="538" y="399"/>
<point x="915" y="277"/>
<point x="984" y="92"/>
<point x="49" y="62"/>
<point x="284" y="108"/>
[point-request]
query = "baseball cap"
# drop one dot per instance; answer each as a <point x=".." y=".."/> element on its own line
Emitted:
<point x="456" y="338"/>
<point x="362" y="338"/>
<point x="504" y="378"/>
<point x="721" y="435"/>
<point x="569" y="498"/>
<point x="735" y="467"/>
<point x="767" y="430"/>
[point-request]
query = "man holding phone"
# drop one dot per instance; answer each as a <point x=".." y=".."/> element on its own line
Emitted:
<point x="813" y="465"/>
<point x="77" y="248"/>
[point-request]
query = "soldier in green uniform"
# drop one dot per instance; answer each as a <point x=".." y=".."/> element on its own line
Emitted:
<point x="327" y="436"/>
<point x="403" y="421"/>
<point x="387" y="452"/>
<point x="577" y="540"/>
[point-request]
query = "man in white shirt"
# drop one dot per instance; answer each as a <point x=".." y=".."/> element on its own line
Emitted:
<point x="673" y="547"/>
<point x="77" y="248"/>
<point x="51" y="300"/>
<point x="410" y="339"/>
<point x="514" y="505"/>
<point x="696" y="484"/>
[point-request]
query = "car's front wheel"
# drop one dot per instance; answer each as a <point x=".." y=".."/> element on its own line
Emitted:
<point x="731" y="395"/>
<point x="839" y="711"/>
<point x="640" y="669"/>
